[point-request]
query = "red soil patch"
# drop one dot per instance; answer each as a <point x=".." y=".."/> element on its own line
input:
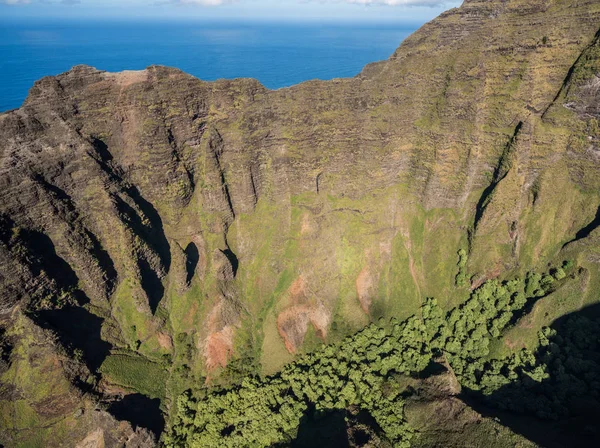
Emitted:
<point x="164" y="340"/>
<point x="306" y="226"/>
<point x="309" y="226"/>
<point x="218" y="345"/>
<point x="364" y="289"/>
<point x="297" y="290"/>
<point x="485" y="277"/>
<point x="293" y="324"/>
<point x="218" y="348"/>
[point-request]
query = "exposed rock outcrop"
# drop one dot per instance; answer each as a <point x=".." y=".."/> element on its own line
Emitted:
<point x="162" y="209"/>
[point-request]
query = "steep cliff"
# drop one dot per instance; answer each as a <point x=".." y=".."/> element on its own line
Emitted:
<point x="153" y="222"/>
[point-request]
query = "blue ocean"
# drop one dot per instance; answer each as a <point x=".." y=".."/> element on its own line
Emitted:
<point x="278" y="55"/>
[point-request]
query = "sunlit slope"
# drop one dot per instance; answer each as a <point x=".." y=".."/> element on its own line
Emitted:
<point x="208" y="230"/>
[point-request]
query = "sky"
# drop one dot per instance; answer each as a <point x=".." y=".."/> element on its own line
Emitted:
<point x="295" y="10"/>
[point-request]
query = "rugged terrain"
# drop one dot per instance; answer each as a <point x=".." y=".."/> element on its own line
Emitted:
<point x="159" y="232"/>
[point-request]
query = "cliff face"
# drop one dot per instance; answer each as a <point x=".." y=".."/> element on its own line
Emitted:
<point x="208" y="228"/>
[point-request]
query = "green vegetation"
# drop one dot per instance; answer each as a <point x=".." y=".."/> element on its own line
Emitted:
<point x="369" y="371"/>
<point x="347" y="200"/>
<point x="136" y="373"/>
<point x="461" y="277"/>
<point x="262" y="412"/>
<point x="564" y="367"/>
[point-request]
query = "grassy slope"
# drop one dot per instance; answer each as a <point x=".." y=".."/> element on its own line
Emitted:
<point x="328" y="239"/>
<point x="403" y="228"/>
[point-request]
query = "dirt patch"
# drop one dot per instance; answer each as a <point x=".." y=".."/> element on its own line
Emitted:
<point x="512" y="345"/>
<point x="528" y="320"/>
<point x="218" y="345"/>
<point x="128" y="77"/>
<point x="218" y="348"/>
<point x="485" y="277"/>
<point x="368" y="278"/>
<point x="293" y="322"/>
<point x="306" y="227"/>
<point x="94" y="439"/>
<point x="165" y="341"/>
<point x="365" y="289"/>
<point x="292" y="325"/>
<point x="429" y="225"/>
<point x="297" y="291"/>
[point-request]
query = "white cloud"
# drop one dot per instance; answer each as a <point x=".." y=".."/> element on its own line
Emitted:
<point x="398" y="2"/>
<point x="357" y="2"/>
<point x="224" y="2"/>
<point x="28" y="2"/>
<point x="202" y="2"/>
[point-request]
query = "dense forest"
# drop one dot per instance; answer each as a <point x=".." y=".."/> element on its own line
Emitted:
<point x="367" y="371"/>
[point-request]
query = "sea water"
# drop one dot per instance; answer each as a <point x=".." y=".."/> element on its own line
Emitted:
<point x="277" y="54"/>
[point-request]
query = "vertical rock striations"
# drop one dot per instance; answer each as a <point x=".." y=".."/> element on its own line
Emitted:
<point x="209" y="229"/>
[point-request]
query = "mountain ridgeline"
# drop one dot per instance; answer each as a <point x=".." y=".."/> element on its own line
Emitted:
<point x="409" y="257"/>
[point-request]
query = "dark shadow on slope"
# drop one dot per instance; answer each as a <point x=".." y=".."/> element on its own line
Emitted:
<point x="149" y="229"/>
<point x="361" y="429"/>
<point x="6" y="348"/>
<point x="45" y="259"/>
<point x="71" y="217"/>
<point x="572" y="432"/>
<point x="192" y="256"/>
<point x="232" y="259"/>
<point x="140" y="411"/>
<point x="74" y="326"/>
<point x="499" y="173"/>
<point x="483" y="201"/>
<point x="585" y="231"/>
<point x="79" y="329"/>
<point x="434" y="368"/>
<point x="101" y="149"/>
<point x="342" y="428"/>
<point x="149" y="226"/>
<point x="6" y="228"/>
<point x="327" y="431"/>
<point x="157" y="238"/>
<point x="51" y="274"/>
<point x="106" y="263"/>
<point x="563" y="409"/>
<point x="151" y="284"/>
<point x="216" y="146"/>
<point x="58" y="192"/>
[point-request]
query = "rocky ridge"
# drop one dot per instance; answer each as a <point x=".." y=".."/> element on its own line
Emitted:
<point x="218" y="225"/>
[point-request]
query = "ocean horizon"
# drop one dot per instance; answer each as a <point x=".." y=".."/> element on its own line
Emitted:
<point x="276" y="54"/>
